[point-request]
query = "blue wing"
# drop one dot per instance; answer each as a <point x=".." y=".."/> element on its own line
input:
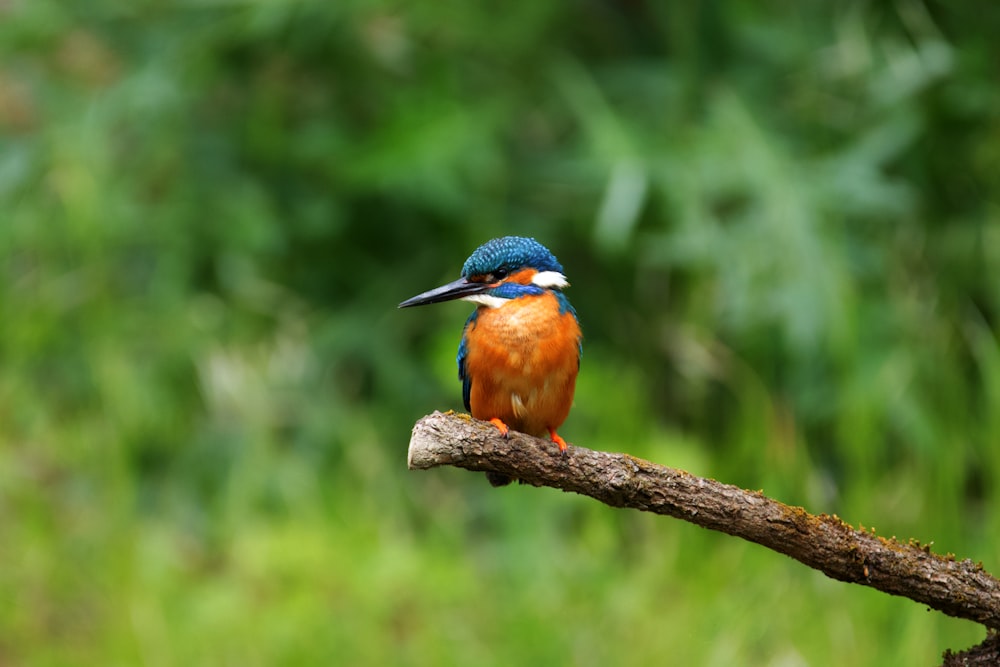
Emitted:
<point x="566" y="307"/>
<point x="463" y="353"/>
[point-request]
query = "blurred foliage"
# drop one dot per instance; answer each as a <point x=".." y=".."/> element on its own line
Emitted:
<point x="782" y="225"/>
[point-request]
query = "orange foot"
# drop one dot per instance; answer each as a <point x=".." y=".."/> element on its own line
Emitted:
<point x="503" y="428"/>
<point x="556" y="438"/>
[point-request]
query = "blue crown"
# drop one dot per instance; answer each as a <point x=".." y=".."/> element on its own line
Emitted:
<point x="511" y="253"/>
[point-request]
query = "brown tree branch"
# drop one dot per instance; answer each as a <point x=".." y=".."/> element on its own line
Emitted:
<point x="957" y="588"/>
<point x="986" y="654"/>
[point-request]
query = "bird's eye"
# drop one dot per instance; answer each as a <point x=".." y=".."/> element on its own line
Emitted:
<point x="500" y="274"/>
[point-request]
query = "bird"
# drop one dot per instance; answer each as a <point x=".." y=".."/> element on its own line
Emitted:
<point x="520" y="351"/>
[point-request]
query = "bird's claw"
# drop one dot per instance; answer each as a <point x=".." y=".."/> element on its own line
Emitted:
<point x="556" y="438"/>
<point x="503" y="428"/>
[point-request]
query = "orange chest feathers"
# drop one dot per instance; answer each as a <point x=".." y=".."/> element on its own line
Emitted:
<point x="522" y="360"/>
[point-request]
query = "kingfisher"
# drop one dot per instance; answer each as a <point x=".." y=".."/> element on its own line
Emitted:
<point x="520" y="350"/>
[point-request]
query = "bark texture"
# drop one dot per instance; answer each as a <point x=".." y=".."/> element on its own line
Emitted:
<point x="958" y="588"/>
<point x="986" y="654"/>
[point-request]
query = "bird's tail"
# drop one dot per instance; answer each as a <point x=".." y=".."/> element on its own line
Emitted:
<point x="498" y="479"/>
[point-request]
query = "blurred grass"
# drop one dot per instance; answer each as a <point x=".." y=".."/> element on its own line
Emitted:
<point x="780" y="224"/>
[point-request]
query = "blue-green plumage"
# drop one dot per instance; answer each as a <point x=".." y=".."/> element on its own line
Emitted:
<point x="510" y="253"/>
<point x="463" y="353"/>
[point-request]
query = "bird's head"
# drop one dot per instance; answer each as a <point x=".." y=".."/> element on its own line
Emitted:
<point x="500" y="270"/>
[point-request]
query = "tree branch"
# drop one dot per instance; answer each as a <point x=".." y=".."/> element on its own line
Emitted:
<point x="957" y="588"/>
<point x="986" y="654"/>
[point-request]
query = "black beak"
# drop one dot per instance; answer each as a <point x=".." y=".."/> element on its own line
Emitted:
<point x="454" y="290"/>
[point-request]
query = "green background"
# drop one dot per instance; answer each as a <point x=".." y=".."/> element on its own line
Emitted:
<point x="782" y="225"/>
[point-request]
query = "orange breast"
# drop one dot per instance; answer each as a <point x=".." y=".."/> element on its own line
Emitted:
<point x="523" y="359"/>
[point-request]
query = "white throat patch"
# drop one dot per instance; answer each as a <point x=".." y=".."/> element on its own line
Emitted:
<point x="487" y="300"/>
<point x="550" y="279"/>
